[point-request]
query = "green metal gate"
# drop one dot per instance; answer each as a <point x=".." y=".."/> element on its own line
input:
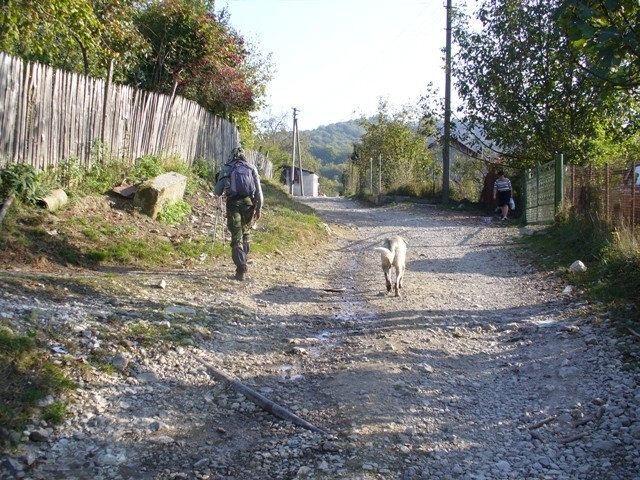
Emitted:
<point x="543" y="191"/>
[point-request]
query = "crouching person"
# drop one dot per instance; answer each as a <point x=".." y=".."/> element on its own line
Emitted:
<point x="240" y="182"/>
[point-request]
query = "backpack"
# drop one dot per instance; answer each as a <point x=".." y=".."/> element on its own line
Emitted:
<point x="241" y="180"/>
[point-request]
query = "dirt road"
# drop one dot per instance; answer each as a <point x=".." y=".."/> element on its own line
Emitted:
<point x="483" y="369"/>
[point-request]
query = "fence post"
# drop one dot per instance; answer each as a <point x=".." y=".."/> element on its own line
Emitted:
<point x="633" y="195"/>
<point x="559" y="182"/>
<point x="606" y="199"/>
<point x="380" y="174"/>
<point x="525" y="195"/>
<point x="537" y="191"/>
<point x="573" y="185"/>
<point x="371" y="176"/>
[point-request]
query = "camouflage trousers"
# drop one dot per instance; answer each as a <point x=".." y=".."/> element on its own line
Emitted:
<point x="239" y="220"/>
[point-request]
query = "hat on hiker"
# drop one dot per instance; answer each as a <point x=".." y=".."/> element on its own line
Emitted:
<point x="237" y="152"/>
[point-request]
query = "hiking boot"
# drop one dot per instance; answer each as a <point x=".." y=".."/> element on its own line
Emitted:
<point x="240" y="272"/>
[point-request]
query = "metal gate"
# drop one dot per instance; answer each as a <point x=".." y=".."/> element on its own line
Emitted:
<point x="543" y="191"/>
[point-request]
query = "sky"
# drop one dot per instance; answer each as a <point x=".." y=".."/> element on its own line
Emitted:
<point x="334" y="59"/>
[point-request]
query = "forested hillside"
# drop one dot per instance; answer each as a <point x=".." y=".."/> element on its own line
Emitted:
<point x="332" y="145"/>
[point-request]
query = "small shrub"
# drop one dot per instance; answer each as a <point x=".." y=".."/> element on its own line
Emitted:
<point x="27" y="376"/>
<point x="70" y="173"/>
<point x="55" y="412"/>
<point x="147" y="167"/>
<point x="203" y="169"/>
<point x="174" y="214"/>
<point x="21" y="180"/>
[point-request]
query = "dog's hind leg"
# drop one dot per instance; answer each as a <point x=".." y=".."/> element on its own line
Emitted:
<point x="387" y="279"/>
<point x="398" y="283"/>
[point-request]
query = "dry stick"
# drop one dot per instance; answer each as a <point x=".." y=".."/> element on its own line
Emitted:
<point x="215" y="228"/>
<point x="260" y="400"/>
<point x="538" y="437"/>
<point x="5" y="207"/>
<point x="634" y="332"/>
<point x="543" y="422"/>
<point x="335" y="290"/>
<point x="224" y="221"/>
<point x="584" y="421"/>
<point x="573" y="438"/>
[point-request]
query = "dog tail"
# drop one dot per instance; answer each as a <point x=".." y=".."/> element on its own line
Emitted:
<point x="385" y="253"/>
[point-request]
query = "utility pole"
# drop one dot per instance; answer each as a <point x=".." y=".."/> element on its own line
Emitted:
<point x="295" y="144"/>
<point x="446" y="165"/>
<point x="299" y="160"/>
<point x="293" y="150"/>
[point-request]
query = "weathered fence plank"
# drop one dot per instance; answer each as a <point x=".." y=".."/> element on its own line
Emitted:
<point x="48" y="116"/>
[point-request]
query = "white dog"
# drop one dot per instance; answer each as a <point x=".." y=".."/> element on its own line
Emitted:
<point x="394" y="253"/>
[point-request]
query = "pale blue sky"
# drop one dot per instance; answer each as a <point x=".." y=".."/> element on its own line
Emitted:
<point x="333" y="59"/>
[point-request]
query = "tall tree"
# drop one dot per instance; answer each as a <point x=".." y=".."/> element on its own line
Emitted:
<point x="197" y="54"/>
<point x="608" y="33"/>
<point x="394" y="136"/>
<point x="55" y="32"/>
<point x="519" y="85"/>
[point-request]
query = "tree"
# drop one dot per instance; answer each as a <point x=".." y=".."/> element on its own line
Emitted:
<point x="520" y="86"/>
<point x="393" y="135"/>
<point x="274" y="138"/>
<point x="196" y="53"/>
<point x="608" y="34"/>
<point x="76" y="35"/>
<point x="119" y="38"/>
<point x="55" y="32"/>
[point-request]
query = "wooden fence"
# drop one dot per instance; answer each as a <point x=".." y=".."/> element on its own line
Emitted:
<point x="49" y="115"/>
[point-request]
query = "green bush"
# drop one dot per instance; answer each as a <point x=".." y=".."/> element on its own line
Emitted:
<point x="203" y="169"/>
<point x="27" y="376"/>
<point x="21" y="180"/>
<point x="174" y="214"/>
<point x="147" y="167"/>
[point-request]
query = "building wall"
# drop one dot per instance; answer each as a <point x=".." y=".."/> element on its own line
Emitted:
<point x="311" y="184"/>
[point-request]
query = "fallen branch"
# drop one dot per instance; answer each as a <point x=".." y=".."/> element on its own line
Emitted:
<point x="538" y="437"/>
<point x="5" y="206"/>
<point x="584" y="421"/>
<point x="572" y="438"/>
<point x="629" y="328"/>
<point x="260" y="400"/>
<point x="543" y="422"/>
<point x="335" y="290"/>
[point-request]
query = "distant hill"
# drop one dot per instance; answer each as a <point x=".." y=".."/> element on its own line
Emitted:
<point x="333" y="143"/>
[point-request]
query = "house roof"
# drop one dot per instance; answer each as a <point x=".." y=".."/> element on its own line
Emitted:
<point x="304" y="170"/>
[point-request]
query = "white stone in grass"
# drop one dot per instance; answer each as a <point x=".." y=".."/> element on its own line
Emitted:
<point x="577" y="267"/>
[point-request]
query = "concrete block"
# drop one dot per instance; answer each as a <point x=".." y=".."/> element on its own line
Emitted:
<point x="165" y="189"/>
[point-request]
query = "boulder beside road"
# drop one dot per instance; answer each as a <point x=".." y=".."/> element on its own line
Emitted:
<point x="154" y="194"/>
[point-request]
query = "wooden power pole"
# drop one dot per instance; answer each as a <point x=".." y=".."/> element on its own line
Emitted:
<point x="446" y="161"/>
<point x="295" y="145"/>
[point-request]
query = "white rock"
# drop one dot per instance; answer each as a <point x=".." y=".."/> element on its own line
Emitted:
<point x="577" y="267"/>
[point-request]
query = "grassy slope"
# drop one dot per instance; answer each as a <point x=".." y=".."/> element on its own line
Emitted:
<point x="613" y="262"/>
<point x="90" y="237"/>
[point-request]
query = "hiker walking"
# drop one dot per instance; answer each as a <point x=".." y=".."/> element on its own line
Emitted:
<point x="502" y="189"/>
<point x="240" y="182"/>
